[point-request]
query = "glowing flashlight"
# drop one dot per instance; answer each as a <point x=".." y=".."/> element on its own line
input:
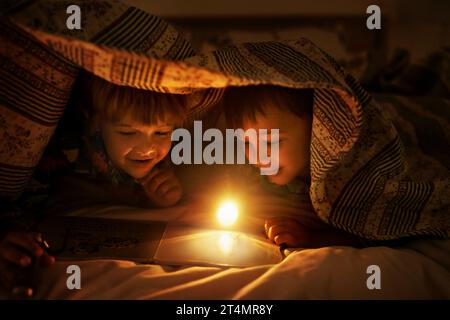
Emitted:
<point x="227" y="214"/>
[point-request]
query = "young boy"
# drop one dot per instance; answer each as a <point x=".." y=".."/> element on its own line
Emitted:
<point x="122" y="162"/>
<point x="290" y="111"/>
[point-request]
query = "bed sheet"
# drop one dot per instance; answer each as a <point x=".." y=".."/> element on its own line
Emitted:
<point x="417" y="270"/>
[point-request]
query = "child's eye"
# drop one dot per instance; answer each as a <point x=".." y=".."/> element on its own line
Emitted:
<point x="127" y="133"/>
<point x="162" y="133"/>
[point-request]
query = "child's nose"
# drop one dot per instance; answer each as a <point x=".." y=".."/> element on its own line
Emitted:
<point x="148" y="153"/>
<point x="146" y="148"/>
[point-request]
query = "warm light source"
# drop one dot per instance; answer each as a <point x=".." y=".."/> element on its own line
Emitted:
<point x="227" y="214"/>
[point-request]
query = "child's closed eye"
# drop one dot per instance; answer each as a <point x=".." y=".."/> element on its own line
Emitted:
<point x="127" y="133"/>
<point x="163" y="133"/>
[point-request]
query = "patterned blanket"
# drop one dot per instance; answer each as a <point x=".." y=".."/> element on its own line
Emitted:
<point x="363" y="180"/>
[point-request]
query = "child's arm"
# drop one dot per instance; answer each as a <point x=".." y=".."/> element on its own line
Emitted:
<point x="162" y="187"/>
<point x="308" y="234"/>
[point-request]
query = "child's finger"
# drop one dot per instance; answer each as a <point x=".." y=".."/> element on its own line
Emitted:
<point x="276" y="230"/>
<point x="46" y="260"/>
<point x="149" y="176"/>
<point x="174" y="192"/>
<point x="157" y="182"/>
<point x="26" y="241"/>
<point x="286" y="238"/>
<point x="166" y="186"/>
<point x="13" y="255"/>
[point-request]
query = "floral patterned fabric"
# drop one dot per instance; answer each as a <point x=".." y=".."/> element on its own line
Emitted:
<point x="36" y="81"/>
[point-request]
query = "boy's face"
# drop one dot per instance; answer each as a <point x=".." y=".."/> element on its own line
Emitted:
<point x="135" y="147"/>
<point x="294" y="142"/>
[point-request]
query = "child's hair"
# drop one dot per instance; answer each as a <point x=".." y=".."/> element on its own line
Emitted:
<point x="244" y="103"/>
<point x="101" y="100"/>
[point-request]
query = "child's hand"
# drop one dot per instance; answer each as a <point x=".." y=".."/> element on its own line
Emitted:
<point x="17" y="250"/>
<point x="162" y="187"/>
<point x="294" y="234"/>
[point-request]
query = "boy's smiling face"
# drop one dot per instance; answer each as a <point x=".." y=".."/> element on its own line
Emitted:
<point x="135" y="147"/>
<point x="294" y="141"/>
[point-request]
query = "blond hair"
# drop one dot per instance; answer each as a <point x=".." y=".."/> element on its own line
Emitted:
<point x="101" y="100"/>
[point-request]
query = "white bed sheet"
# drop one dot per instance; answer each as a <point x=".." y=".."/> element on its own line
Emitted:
<point x="419" y="270"/>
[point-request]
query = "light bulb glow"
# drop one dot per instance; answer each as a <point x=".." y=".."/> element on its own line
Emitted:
<point x="227" y="214"/>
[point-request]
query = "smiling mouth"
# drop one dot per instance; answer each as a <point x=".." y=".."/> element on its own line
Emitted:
<point x="141" y="161"/>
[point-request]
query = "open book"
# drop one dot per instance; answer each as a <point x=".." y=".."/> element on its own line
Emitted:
<point x="157" y="242"/>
